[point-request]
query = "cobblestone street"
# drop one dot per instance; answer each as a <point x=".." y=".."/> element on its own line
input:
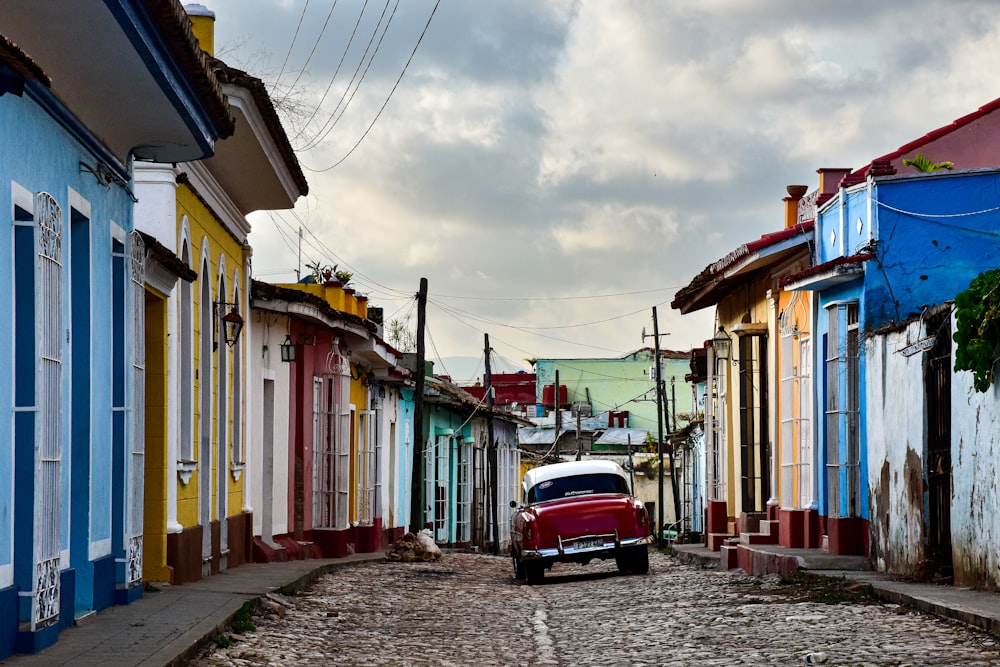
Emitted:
<point x="467" y="609"/>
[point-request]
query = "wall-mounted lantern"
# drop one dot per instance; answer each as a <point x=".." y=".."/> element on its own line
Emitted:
<point x="288" y="350"/>
<point x="232" y="322"/>
<point x="722" y="344"/>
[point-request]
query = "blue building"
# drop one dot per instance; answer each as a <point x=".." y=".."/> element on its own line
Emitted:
<point x="71" y="477"/>
<point x="891" y="249"/>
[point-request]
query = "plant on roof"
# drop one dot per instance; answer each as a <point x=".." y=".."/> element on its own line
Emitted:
<point x="922" y="163"/>
<point x="977" y="328"/>
<point x="324" y="273"/>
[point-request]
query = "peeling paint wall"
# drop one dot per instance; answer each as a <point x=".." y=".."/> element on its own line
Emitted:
<point x="975" y="508"/>
<point x="896" y="436"/>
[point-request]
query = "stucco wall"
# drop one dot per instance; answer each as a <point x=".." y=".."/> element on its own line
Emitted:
<point x="895" y="435"/>
<point x="975" y="509"/>
<point x="266" y="333"/>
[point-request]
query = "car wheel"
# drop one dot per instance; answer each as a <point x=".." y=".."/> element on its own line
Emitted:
<point x="534" y="572"/>
<point x="640" y="561"/>
<point x="635" y="561"/>
<point x="518" y="566"/>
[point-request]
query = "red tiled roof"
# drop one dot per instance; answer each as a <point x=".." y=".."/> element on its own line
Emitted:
<point x="765" y="241"/>
<point x="933" y="135"/>
<point x="713" y="272"/>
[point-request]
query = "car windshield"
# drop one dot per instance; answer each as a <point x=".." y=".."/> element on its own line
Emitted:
<point x="577" y="485"/>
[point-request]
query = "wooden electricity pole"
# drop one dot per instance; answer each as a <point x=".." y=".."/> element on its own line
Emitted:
<point x="416" y="475"/>
<point x="491" y="449"/>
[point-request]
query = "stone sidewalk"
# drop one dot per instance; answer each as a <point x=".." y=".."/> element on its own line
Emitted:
<point x="168" y="626"/>
<point x="980" y="609"/>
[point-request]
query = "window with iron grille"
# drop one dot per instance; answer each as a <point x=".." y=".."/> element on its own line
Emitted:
<point x="754" y="468"/>
<point x="843" y="437"/>
<point x="38" y="336"/>
<point x="366" y="468"/>
<point x="715" y="414"/>
<point x="796" y="413"/>
<point x="463" y="514"/>
<point x="137" y="411"/>
<point x="324" y="452"/>
<point x="237" y="399"/>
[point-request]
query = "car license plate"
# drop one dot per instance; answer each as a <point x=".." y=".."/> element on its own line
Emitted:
<point x="589" y="544"/>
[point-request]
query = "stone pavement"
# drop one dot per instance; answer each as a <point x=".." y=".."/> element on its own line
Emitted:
<point x="170" y="626"/>
<point x="980" y="609"/>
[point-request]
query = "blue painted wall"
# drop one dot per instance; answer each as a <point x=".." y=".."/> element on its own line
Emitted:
<point x="404" y="435"/>
<point x="42" y="155"/>
<point x="935" y="234"/>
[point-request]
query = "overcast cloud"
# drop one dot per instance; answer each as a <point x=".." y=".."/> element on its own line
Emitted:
<point x="555" y="169"/>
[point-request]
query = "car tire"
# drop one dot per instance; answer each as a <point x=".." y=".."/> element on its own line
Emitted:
<point x="534" y="572"/>
<point x="634" y="561"/>
<point x="518" y="566"/>
<point x="640" y="560"/>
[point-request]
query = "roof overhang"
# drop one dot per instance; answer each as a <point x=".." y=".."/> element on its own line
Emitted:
<point x="239" y="161"/>
<point x="128" y="70"/>
<point x="740" y="266"/>
<point x="828" y="274"/>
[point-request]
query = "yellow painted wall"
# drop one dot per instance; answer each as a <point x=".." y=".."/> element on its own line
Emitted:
<point x="203" y="225"/>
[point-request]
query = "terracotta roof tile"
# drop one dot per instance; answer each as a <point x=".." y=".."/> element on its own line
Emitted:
<point x="175" y="25"/>
<point x="19" y="61"/>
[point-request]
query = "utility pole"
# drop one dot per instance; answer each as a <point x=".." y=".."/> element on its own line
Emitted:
<point x="659" y="423"/>
<point x="558" y="415"/>
<point x="416" y="475"/>
<point x="659" y="429"/>
<point x="491" y="449"/>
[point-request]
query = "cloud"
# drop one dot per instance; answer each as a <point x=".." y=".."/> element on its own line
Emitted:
<point x="571" y="164"/>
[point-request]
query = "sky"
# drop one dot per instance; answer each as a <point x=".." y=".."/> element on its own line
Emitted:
<point x="556" y="169"/>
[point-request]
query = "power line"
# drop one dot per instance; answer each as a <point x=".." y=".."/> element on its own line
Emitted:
<point x="336" y="71"/>
<point x="557" y="298"/>
<point x="332" y="121"/>
<point x="295" y="36"/>
<point x="312" y="51"/>
<point x="384" y="104"/>
<point x="533" y="333"/>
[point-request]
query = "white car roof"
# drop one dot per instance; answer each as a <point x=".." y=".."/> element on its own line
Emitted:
<point x="557" y="470"/>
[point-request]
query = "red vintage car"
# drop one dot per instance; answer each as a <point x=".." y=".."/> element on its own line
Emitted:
<point x="576" y="512"/>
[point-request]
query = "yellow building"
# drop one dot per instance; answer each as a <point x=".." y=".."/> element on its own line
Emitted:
<point x="198" y="519"/>
<point x="753" y="428"/>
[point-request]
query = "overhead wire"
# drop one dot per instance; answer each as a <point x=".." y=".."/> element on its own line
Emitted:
<point x="332" y="121"/>
<point x="437" y="354"/>
<point x="295" y="36"/>
<point x="312" y="51"/>
<point x="533" y="333"/>
<point x="388" y="97"/>
<point x="336" y="72"/>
